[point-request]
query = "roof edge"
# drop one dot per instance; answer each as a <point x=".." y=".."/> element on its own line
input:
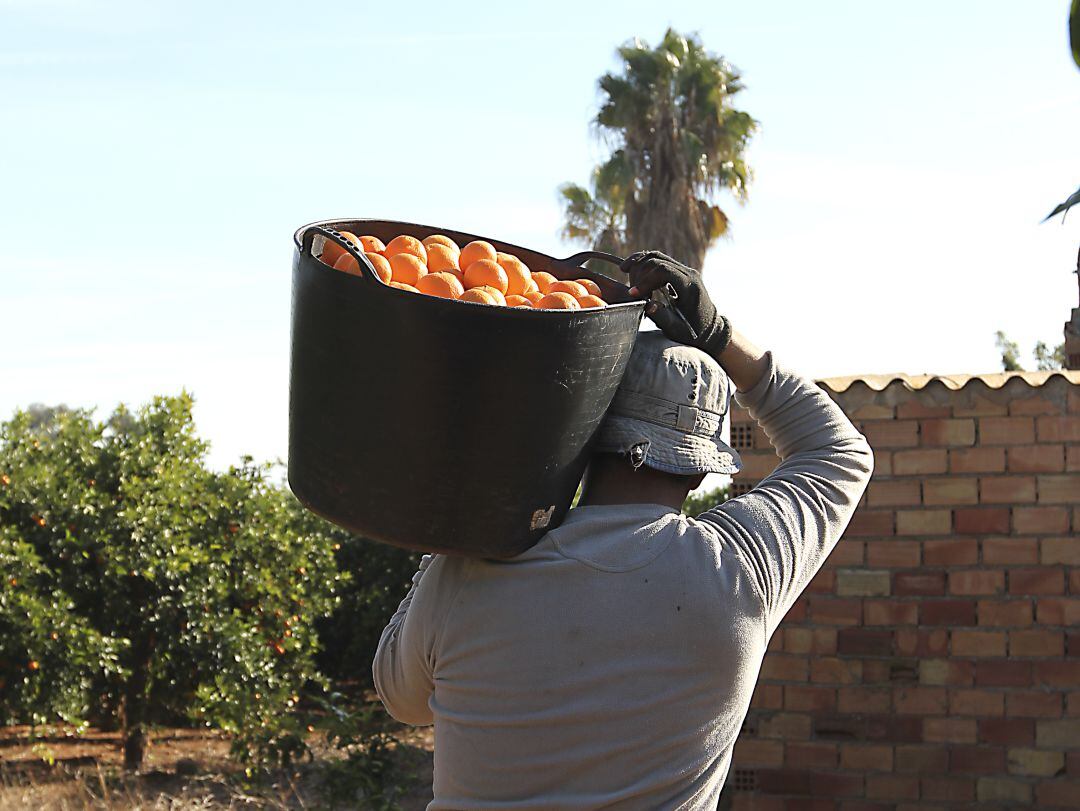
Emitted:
<point x="993" y="380"/>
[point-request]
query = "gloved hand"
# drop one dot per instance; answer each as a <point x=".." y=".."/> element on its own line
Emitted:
<point x="690" y="318"/>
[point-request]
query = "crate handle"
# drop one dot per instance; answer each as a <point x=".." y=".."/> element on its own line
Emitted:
<point x="368" y="271"/>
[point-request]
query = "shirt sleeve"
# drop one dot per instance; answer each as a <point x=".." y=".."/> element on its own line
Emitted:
<point x="403" y="669"/>
<point x="787" y="525"/>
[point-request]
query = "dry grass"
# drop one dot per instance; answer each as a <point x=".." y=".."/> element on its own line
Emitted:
<point x="184" y="769"/>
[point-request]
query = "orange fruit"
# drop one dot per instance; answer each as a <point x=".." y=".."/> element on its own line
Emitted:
<point x="439" y="239"/>
<point x="517" y="273"/>
<point x="477" y="295"/>
<point x="381" y="265"/>
<point x="494" y="292"/>
<point x="517" y="301"/>
<point x="591" y="301"/>
<point x="440" y="257"/>
<point x="478" y="249"/>
<point x="485" y="271"/>
<point x="407" y="268"/>
<point x="347" y="263"/>
<point x="591" y="287"/>
<point x="331" y="250"/>
<point x="372" y="245"/>
<point x="401" y="286"/>
<point x="543" y="279"/>
<point x="406" y="244"/>
<point x="533" y="287"/>
<point x="573" y="288"/>
<point x="533" y="296"/>
<point x="558" y="301"/>
<point x="443" y="285"/>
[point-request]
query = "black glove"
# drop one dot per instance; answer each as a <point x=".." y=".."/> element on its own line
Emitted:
<point x="691" y="317"/>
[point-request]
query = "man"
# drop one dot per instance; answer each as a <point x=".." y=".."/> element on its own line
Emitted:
<point x="612" y="664"/>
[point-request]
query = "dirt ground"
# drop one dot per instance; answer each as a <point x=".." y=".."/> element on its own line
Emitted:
<point x="183" y="769"/>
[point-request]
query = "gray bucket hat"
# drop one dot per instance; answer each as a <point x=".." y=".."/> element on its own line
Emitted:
<point x="669" y="410"/>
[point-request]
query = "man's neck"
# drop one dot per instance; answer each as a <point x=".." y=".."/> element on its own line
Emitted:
<point x="609" y="490"/>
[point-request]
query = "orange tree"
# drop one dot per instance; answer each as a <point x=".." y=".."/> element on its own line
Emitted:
<point x="141" y="587"/>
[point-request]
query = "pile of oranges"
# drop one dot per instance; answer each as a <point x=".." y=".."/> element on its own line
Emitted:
<point x="477" y="272"/>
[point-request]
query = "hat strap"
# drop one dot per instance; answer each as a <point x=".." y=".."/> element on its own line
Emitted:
<point x="685" y="418"/>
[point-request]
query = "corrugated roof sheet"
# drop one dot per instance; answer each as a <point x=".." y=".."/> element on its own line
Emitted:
<point x="994" y="380"/>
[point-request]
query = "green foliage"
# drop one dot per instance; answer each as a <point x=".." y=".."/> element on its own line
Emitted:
<point x="697" y="503"/>
<point x="1074" y="31"/>
<point x="677" y="141"/>
<point x="150" y="589"/>
<point x="1047" y="359"/>
<point x="1010" y="353"/>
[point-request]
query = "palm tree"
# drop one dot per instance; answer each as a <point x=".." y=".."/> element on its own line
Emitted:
<point x="676" y="140"/>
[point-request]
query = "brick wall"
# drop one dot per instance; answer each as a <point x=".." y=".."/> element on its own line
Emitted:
<point x="934" y="662"/>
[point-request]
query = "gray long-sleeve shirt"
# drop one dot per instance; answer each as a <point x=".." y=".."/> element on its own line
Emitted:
<point x="612" y="664"/>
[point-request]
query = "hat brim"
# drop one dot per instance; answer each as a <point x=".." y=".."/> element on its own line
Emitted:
<point x="669" y="450"/>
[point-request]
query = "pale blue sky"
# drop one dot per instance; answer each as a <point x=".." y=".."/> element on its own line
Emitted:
<point x="158" y="156"/>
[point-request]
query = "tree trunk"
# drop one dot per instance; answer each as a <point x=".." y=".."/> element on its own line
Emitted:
<point x="135" y="700"/>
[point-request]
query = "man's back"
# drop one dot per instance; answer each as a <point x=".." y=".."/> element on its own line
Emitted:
<point x="612" y="664"/>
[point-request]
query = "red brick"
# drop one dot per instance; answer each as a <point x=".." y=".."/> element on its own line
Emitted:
<point x="913" y="409"/>
<point x="1033" y="704"/>
<point x="1057" y="674"/>
<point x="800" y="698"/>
<point x="835" y="611"/>
<point x="923" y="522"/>
<point x="1072" y="458"/>
<point x="756" y="752"/>
<point x="819" y="641"/>
<point x="902" y="492"/>
<point x="1007" y="431"/>
<point x="977" y="460"/>
<point x="824" y="582"/>
<point x="1059" y="611"/>
<point x="997" y="551"/>
<point x="893" y="728"/>
<point x="1072" y="644"/>
<point x="1072" y="764"/>
<point x="922" y="642"/>
<point x="1040" y="520"/>
<point x="873" y="411"/>
<point x="1007" y="731"/>
<point x="811" y="755"/>
<point x="1036" y="459"/>
<point x="864" y="642"/>
<point x="982" y="520"/>
<point x="1005" y="613"/>
<point x="947" y="789"/>
<point x="919" y="462"/>
<point x="980" y="703"/>
<point x="977" y="581"/>
<point x="920" y="700"/>
<point x="921" y="759"/>
<point x="871" y="523"/>
<point x="918" y="583"/>
<point x="1036" y="642"/>
<point x="1043" y="580"/>
<point x="946" y="671"/>
<point x="949" y="730"/>
<point x="952" y="552"/>
<point x="1060" y="550"/>
<point x="947" y="612"/>
<point x="847" y="553"/>
<point x="783" y="781"/>
<point x="892" y="787"/>
<point x="890" y="612"/>
<point x="866" y="757"/>
<point x="1060" y="793"/>
<point x="797" y="612"/>
<point x="1003" y="674"/>
<point x="892" y="433"/>
<point x="1074" y="581"/>
<point x="778" y="667"/>
<point x="893" y="553"/>
<point x="1036" y="405"/>
<point x="950" y="490"/>
<point x="1007" y="489"/>
<point x="977" y="759"/>
<point x="955" y="432"/>
<point x="1059" y="489"/>
<point x="1073" y="399"/>
<point x="767" y="697"/>
<point x="978" y="644"/>
<point x="860" y="699"/>
<point x="835" y="784"/>
<point x="969" y="404"/>
<point x="831" y="670"/>
<point x="784" y="725"/>
<point x="885" y="671"/>
<point x="1058" y="429"/>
